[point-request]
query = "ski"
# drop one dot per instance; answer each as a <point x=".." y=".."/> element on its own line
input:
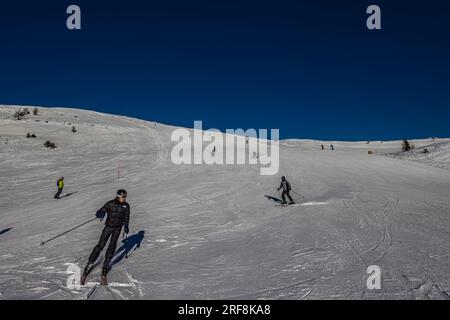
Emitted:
<point x="286" y="205"/>
<point x="91" y="291"/>
<point x="85" y="276"/>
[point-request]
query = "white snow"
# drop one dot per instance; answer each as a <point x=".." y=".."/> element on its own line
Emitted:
<point x="313" y="203"/>
<point x="209" y="231"/>
<point x="438" y="155"/>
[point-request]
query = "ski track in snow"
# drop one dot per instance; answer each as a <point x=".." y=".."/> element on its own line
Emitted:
<point x="313" y="203"/>
<point x="209" y="232"/>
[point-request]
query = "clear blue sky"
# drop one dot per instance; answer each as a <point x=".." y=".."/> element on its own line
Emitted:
<point x="309" y="68"/>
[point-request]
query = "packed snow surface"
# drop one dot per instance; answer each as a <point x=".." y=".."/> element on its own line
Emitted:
<point x="210" y="231"/>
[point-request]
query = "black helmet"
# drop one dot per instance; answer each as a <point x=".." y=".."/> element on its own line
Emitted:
<point x="283" y="178"/>
<point x="121" y="193"/>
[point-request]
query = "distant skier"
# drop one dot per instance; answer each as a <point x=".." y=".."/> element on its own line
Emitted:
<point x="286" y="186"/>
<point x="332" y="147"/>
<point x="118" y="216"/>
<point x="323" y="148"/>
<point x="60" y="186"/>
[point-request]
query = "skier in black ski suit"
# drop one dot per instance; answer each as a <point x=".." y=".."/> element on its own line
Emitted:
<point x="118" y="215"/>
<point x="286" y="186"/>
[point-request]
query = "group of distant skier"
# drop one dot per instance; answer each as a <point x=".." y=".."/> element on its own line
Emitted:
<point x="331" y="147"/>
<point x="117" y="212"/>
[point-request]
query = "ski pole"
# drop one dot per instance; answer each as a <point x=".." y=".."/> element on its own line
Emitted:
<point x="68" y="231"/>
<point x="280" y="194"/>
<point x="298" y="194"/>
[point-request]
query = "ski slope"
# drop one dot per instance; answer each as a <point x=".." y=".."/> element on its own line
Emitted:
<point x="209" y="232"/>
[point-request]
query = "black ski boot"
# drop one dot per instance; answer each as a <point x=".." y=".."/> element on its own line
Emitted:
<point x="105" y="269"/>
<point x="87" y="269"/>
<point x="103" y="280"/>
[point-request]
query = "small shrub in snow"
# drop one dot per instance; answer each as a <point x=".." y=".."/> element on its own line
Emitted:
<point x="406" y="146"/>
<point x="19" y="114"/>
<point x="49" y="144"/>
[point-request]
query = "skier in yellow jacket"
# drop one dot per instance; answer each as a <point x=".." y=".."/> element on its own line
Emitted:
<point x="60" y="185"/>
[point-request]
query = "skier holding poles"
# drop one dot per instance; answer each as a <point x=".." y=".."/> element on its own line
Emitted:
<point x="118" y="216"/>
<point x="286" y="186"/>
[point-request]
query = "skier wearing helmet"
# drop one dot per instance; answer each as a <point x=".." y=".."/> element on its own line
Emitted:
<point x="118" y="216"/>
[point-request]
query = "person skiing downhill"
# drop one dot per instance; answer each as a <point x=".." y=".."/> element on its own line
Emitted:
<point x="286" y="186"/>
<point x="118" y="216"/>
<point x="60" y="185"/>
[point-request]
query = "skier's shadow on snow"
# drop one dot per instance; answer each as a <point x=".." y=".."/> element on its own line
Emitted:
<point x="5" y="230"/>
<point x="274" y="199"/>
<point x="130" y="244"/>
<point x="68" y="195"/>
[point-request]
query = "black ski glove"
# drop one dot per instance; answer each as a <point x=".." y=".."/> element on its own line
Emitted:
<point x="126" y="230"/>
<point x="100" y="214"/>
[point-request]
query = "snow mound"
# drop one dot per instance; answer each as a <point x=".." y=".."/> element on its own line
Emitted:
<point x="436" y="155"/>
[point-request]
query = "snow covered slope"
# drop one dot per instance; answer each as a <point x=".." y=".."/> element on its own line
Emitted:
<point x="436" y="154"/>
<point x="209" y="232"/>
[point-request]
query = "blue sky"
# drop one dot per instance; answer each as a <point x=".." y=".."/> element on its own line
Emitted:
<point x="310" y="68"/>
